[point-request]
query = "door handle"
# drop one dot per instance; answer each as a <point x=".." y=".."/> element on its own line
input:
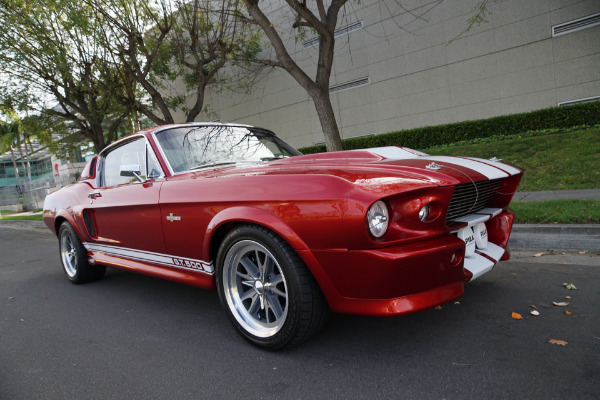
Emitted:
<point x="94" y="195"/>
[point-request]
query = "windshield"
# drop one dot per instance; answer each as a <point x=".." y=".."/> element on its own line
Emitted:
<point x="195" y="147"/>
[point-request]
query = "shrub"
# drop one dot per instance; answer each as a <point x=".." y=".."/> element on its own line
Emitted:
<point x="421" y="138"/>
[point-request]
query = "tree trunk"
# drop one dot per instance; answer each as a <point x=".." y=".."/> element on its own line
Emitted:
<point x="18" y="135"/>
<point x="14" y="162"/>
<point x="331" y="133"/>
<point x="27" y="154"/>
<point x="197" y="108"/>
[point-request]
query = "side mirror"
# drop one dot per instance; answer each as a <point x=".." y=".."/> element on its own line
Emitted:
<point x="133" y="170"/>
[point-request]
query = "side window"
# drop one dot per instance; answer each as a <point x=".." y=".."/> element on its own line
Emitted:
<point x="129" y="154"/>
<point x="154" y="170"/>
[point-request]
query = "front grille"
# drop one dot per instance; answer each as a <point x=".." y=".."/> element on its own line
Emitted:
<point x="472" y="197"/>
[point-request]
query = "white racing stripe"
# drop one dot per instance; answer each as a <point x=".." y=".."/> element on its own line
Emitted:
<point x="484" y="169"/>
<point x="511" y="170"/>
<point x="150" y="257"/>
<point x="490" y="169"/>
<point x="396" y="153"/>
<point x="479" y="265"/>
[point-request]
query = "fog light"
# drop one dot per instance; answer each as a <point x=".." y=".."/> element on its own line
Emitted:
<point x="424" y="213"/>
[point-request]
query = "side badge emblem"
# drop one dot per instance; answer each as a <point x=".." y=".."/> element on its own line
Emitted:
<point x="172" y="218"/>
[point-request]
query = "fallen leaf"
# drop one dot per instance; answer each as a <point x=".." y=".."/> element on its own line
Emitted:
<point x="532" y="306"/>
<point x="535" y="312"/>
<point x="457" y="302"/>
<point x="560" y="303"/>
<point x="569" y="286"/>
<point x="22" y="320"/>
<point x="10" y="298"/>
<point x="539" y="254"/>
<point x="438" y="308"/>
<point x="516" y="316"/>
<point x="568" y="312"/>
<point x="558" y="342"/>
<point x="582" y="252"/>
<point x="568" y="297"/>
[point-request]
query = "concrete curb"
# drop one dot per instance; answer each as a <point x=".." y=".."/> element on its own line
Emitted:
<point x="555" y="236"/>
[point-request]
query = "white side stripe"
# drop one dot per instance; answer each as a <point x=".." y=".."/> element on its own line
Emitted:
<point x="155" y="258"/>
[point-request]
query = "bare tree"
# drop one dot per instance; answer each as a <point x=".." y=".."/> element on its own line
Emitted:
<point x="322" y="19"/>
<point x="172" y="42"/>
<point x="52" y="47"/>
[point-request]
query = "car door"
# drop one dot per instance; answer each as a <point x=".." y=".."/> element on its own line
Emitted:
<point x="125" y="206"/>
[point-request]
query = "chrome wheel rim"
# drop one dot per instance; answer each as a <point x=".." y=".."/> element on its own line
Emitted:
<point x="255" y="288"/>
<point x="68" y="254"/>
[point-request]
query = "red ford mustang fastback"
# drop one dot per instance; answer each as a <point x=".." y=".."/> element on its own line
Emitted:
<point x="285" y="237"/>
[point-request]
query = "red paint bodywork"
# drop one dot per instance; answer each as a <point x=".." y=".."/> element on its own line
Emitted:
<point x="317" y="203"/>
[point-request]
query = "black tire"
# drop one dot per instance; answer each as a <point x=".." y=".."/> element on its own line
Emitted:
<point x="73" y="257"/>
<point x="292" y="308"/>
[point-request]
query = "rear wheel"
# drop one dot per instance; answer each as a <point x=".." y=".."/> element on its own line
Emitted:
<point x="269" y="294"/>
<point x="73" y="257"/>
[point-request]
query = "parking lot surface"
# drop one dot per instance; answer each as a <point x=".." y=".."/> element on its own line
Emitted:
<point x="134" y="337"/>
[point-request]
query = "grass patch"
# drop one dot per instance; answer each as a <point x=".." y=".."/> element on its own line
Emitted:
<point x="557" y="212"/>
<point x="555" y="161"/>
<point x="37" y="217"/>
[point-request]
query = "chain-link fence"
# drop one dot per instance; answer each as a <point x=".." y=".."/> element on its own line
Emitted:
<point x="30" y="195"/>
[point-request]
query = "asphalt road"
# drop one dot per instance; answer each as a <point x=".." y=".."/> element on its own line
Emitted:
<point x="135" y="337"/>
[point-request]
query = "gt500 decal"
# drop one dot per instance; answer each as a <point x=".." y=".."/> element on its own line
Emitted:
<point x="150" y="257"/>
<point x="197" y="265"/>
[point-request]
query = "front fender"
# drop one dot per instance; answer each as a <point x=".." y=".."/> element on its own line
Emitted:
<point x="272" y="222"/>
<point x="251" y="215"/>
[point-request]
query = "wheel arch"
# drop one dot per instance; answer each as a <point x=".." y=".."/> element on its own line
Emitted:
<point x="229" y="218"/>
<point x="65" y="217"/>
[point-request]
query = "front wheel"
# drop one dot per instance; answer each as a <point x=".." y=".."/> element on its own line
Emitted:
<point x="269" y="294"/>
<point x="73" y="257"/>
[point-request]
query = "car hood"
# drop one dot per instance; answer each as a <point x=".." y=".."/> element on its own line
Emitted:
<point x="380" y="166"/>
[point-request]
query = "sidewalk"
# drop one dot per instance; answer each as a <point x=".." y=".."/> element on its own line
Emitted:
<point x="593" y="194"/>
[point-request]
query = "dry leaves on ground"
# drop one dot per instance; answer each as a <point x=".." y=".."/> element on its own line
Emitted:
<point x="558" y="342"/>
<point x="516" y="316"/>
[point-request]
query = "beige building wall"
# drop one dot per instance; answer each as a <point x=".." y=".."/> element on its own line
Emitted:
<point x="423" y="71"/>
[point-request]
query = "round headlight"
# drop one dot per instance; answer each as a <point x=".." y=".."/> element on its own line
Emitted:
<point x="424" y="213"/>
<point x="377" y="218"/>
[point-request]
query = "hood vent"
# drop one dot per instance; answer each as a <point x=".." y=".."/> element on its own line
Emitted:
<point x="576" y="25"/>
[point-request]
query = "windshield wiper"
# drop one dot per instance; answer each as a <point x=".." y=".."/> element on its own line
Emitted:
<point x="273" y="158"/>
<point x="221" y="164"/>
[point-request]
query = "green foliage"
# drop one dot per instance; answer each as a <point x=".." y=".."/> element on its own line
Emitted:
<point x="421" y="138"/>
<point x="557" y="212"/>
<point x="561" y="159"/>
<point x="35" y="217"/>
